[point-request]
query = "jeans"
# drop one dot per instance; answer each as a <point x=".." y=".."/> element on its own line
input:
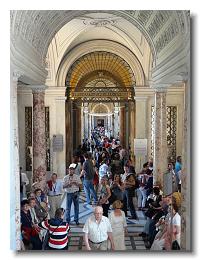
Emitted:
<point x="142" y="197"/>
<point x="75" y="198"/>
<point x="147" y="225"/>
<point x="128" y="200"/>
<point x="89" y="188"/>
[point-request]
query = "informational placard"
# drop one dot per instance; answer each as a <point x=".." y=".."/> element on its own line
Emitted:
<point x="140" y="147"/>
<point x="57" y="143"/>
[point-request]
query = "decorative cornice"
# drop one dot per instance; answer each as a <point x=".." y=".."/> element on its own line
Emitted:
<point x="159" y="85"/>
<point x="61" y="99"/>
<point x="38" y="88"/>
<point x="140" y="98"/>
<point x="100" y="114"/>
<point x="160" y="89"/>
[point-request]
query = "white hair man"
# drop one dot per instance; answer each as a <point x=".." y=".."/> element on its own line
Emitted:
<point x="97" y="231"/>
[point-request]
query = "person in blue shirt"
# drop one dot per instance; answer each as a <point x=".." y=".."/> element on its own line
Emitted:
<point x="178" y="167"/>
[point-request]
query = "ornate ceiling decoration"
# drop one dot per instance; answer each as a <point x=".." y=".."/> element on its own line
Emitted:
<point x="39" y="27"/>
<point x="97" y="65"/>
<point x="101" y="94"/>
<point x="100" y="76"/>
<point x="99" y="22"/>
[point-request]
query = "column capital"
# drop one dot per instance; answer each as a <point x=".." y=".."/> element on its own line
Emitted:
<point x="160" y="90"/>
<point x="38" y="88"/>
<point x="159" y="85"/>
<point x="116" y="109"/>
<point x="140" y="98"/>
<point x="61" y="99"/>
<point x="16" y="75"/>
<point x="85" y="109"/>
<point x="184" y="76"/>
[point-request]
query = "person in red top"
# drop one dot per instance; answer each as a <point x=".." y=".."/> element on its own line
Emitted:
<point x="58" y="231"/>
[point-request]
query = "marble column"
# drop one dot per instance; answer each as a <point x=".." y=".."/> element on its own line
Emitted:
<point x="86" y="121"/>
<point x="39" y="141"/>
<point x="60" y="130"/>
<point x="122" y="119"/>
<point x="111" y="125"/>
<point x="15" y="231"/>
<point x="160" y="138"/>
<point x="185" y="175"/>
<point x="141" y="123"/>
<point x="78" y="128"/>
<point x="132" y="129"/>
<point x="82" y="124"/>
<point x="116" y="120"/>
<point x="68" y="113"/>
<point x="127" y="125"/>
<point x="89" y="124"/>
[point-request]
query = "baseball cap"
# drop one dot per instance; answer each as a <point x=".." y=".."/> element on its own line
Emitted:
<point x="72" y="166"/>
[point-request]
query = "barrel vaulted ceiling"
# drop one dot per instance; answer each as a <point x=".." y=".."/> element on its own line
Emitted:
<point x="154" y="37"/>
<point x="98" y="65"/>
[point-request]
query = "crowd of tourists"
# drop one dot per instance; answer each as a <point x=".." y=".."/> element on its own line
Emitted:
<point x="104" y="171"/>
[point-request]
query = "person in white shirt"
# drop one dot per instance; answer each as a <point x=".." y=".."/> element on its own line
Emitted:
<point x="119" y="226"/>
<point x="103" y="169"/>
<point x="54" y="191"/>
<point x="171" y="233"/>
<point x="72" y="183"/>
<point x="97" y="231"/>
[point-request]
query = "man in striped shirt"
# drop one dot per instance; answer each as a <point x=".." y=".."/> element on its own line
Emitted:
<point x="58" y="231"/>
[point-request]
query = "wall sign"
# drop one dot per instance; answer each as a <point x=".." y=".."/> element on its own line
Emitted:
<point x="57" y="143"/>
<point x="140" y="147"/>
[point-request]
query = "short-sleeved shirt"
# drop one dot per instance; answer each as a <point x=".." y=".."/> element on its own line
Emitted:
<point x="89" y="170"/>
<point x="103" y="170"/>
<point x="177" y="167"/>
<point x="73" y="178"/>
<point x="176" y="220"/>
<point x="97" y="232"/>
<point x="55" y="188"/>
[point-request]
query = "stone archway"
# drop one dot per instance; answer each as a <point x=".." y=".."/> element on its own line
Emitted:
<point x="96" y="77"/>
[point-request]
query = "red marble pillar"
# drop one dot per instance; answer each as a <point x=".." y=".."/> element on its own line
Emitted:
<point x="69" y="134"/>
<point x="39" y="141"/>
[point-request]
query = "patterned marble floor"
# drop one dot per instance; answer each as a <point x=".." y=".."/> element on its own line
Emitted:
<point x="132" y="240"/>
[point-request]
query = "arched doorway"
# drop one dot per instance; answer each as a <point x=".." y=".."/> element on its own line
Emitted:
<point x="100" y="91"/>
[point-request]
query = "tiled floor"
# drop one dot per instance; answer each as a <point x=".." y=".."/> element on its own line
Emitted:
<point x="132" y="240"/>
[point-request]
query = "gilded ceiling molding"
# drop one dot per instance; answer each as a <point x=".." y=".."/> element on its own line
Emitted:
<point x="100" y="45"/>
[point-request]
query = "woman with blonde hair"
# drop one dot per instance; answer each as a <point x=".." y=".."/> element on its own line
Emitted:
<point x="105" y="194"/>
<point x="119" y="226"/>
